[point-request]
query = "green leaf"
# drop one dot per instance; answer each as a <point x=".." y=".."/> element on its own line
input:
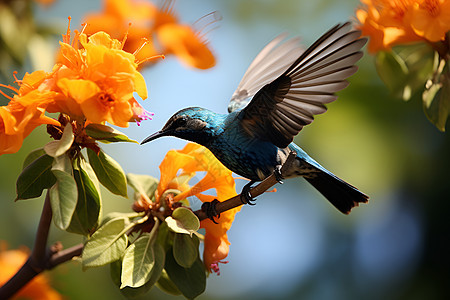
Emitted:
<point x="87" y="212"/>
<point x="64" y="194"/>
<point x="129" y="292"/>
<point x="393" y="71"/>
<point x="138" y="260"/>
<point x="185" y="249"/>
<point x="190" y="281"/>
<point x="32" y="156"/>
<point x="59" y="147"/>
<point x="165" y="236"/>
<point x="115" y="270"/>
<point x="35" y="178"/>
<point x="106" y="245"/>
<point x="405" y="69"/>
<point x="143" y="184"/>
<point x="436" y="98"/>
<point x="183" y="220"/>
<point x="166" y="285"/>
<point x="108" y="172"/>
<point x="160" y="259"/>
<point x="127" y="216"/>
<point x="107" y="134"/>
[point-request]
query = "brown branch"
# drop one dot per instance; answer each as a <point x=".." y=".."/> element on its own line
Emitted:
<point x="38" y="255"/>
<point x="41" y="257"/>
<point x="64" y="255"/>
<point x="35" y="263"/>
<point x="257" y="190"/>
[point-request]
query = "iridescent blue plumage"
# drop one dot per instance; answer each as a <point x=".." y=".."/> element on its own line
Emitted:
<point x="287" y="89"/>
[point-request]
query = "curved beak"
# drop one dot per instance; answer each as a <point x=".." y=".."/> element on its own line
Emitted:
<point x="154" y="136"/>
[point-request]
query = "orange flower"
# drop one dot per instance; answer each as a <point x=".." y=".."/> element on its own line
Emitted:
<point x="93" y="84"/>
<point x="10" y="141"/>
<point x="141" y="21"/>
<point x="24" y="112"/>
<point x="384" y="21"/>
<point x="187" y="45"/>
<point x="37" y="289"/>
<point x="431" y="19"/>
<point x="393" y="22"/>
<point x="17" y="121"/>
<point x="182" y="40"/>
<point x="125" y="17"/>
<point x="100" y="78"/>
<point x="195" y="158"/>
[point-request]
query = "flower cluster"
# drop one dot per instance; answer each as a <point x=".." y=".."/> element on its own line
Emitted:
<point x="393" y="22"/>
<point x="159" y="25"/>
<point x="93" y="81"/>
<point x="195" y="158"/>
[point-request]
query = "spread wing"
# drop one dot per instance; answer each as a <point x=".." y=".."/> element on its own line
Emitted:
<point x="280" y="109"/>
<point x="270" y="63"/>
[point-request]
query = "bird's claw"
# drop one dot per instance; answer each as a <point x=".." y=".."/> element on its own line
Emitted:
<point x="278" y="175"/>
<point x="246" y="196"/>
<point x="210" y="210"/>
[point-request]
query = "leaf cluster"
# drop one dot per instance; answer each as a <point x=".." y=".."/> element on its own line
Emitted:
<point x="413" y="69"/>
<point x="73" y="181"/>
<point x="145" y="249"/>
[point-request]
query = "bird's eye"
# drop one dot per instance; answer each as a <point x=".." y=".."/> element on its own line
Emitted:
<point x="180" y="122"/>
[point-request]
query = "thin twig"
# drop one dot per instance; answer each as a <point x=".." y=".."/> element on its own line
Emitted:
<point x="64" y="255"/>
<point x="254" y="192"/>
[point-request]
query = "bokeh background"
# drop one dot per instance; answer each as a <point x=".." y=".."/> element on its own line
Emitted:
<point x="293" y="244"/>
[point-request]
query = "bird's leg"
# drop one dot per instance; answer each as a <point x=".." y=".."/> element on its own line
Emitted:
<point x="246" y="196"/>
<point x="210" y="209"/>
<point x="278" y="175"/>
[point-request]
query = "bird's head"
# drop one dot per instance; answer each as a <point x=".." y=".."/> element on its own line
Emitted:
<point x="194" y="124"/>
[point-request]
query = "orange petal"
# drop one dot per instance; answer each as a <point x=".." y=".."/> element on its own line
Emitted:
<point x="121" y="113"/>
<point x="104" y="39"/>
<point x="431" y="19"/>
<point x="70" y="57"/>
<point x="182" y="41"/>
<point x="171" y="164"/>
<point x="78" y="89"/>
<point x="31" y="81"/>
<point x="140" y="86"/>
<point x="8" y="121"/>
<point x="10" y="143"/>
<point x="130" y="10"/>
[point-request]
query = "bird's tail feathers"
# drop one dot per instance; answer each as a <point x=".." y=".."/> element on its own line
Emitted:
<point x="341" y="194"/>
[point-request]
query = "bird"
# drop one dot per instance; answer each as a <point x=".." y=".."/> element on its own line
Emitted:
<point x="279" y="94"/>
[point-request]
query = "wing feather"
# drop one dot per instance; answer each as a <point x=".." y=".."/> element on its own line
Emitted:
<point x="280" y="109"/>
<point x="270" y="63"/>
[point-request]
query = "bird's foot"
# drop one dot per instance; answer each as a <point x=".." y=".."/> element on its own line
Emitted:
<point x="246" y="196"/>
<point x="278" y="175"/>
<point x="210" y="210"/>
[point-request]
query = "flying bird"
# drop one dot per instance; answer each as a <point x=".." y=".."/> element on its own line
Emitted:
<point x="282" y="90"/>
